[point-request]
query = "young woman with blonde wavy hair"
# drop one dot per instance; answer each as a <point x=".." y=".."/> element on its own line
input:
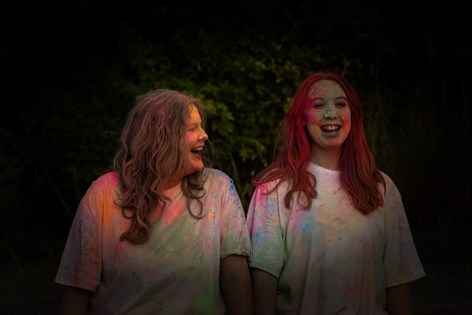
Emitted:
<point x="161" y="233"/>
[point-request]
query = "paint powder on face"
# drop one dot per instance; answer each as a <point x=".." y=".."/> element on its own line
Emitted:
<point x="327" y="117"/>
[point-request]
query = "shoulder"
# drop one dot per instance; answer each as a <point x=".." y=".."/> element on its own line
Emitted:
<point x="218" y="184"/>
<point x="103" y="185"/>
<point x="218" y="181"/>
<point x="389" y="183"/>
<point x="107" y="180"/>
<point x="276" y="185"/>
<point x="391" y="192"/>
<point x="100" y="196"/>
<point x="110" y="178"/>
<point x="215" y="176"/>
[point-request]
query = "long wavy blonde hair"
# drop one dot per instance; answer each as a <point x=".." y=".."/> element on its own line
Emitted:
<point x="151" y="153"/>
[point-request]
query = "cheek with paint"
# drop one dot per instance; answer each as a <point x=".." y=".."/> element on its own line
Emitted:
<point x="344" y="115"/>
<point x="311" y="118"/>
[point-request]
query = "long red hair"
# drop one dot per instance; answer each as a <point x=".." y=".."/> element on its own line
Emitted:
<point x="359" y="174"/>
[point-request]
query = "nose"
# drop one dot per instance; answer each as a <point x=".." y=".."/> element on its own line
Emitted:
<point x="330" y="111"/>
<point x="203" y="136"/>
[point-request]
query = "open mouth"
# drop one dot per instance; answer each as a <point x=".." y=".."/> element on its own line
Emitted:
<point x="198" y="151"/>
<point x="330" y="128"/>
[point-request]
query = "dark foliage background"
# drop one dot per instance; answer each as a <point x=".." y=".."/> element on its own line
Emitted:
<point x="70" y="70"/>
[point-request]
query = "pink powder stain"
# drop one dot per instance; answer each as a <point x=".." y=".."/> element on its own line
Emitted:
<point x="310" y="118"/>
<point x="173" y="212"/>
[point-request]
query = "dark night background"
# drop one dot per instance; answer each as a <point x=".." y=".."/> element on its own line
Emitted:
<point x="71" y="68"/>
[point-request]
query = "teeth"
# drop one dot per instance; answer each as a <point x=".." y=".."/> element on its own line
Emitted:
<point x="330" y="128"/>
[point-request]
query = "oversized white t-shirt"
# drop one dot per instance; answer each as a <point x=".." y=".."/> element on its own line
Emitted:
<point x="331" y="258"/>
<point x="175" y="272"/>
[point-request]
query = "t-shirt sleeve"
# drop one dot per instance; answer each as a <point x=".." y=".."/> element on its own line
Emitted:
<point x="234" y="234"/>
<point x="402" y="263"/>
<point x="266" y="232"/>
<point x="81" y="260"/>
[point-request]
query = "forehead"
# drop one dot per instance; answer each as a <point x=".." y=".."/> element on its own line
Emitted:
<point x="325" y="89"/>
<point x="193" y="112"/>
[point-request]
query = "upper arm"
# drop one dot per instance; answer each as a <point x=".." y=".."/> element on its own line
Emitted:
<point x="82" y="254"/>
<point x="266" y="225"/>
<point x="234" y="234"/>
<point x="401" y="260"/>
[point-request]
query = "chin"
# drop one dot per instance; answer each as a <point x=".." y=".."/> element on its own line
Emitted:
<point x="197" y="168"/>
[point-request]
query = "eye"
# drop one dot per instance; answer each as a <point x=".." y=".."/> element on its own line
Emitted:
<point x="341" y="104"/>
<point x="316" y="104"/>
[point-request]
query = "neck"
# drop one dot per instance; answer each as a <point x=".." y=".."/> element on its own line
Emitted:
<point x="172" y="183"/>
<point x="326" y="158"/>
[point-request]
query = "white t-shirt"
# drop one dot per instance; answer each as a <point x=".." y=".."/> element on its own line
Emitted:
<point x="331" y="258"/>
<point x="175" y="272"/>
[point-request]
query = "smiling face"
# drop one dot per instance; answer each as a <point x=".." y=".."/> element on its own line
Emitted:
<point x="327" y="119"/>
<point x="195" y="137"/>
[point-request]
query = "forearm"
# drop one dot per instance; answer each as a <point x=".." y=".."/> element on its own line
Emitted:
<point x="74" y="301"/>
<point x="399" y="300"/>
<point x="235" y="284"/>
<point x="264" y="287"/>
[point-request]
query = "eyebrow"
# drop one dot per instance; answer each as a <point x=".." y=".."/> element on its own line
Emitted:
<point x="194" y="123"/>
<point x="336" y="98"/>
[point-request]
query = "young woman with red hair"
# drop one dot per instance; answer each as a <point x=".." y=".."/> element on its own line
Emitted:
<point x="328" y="229"/>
